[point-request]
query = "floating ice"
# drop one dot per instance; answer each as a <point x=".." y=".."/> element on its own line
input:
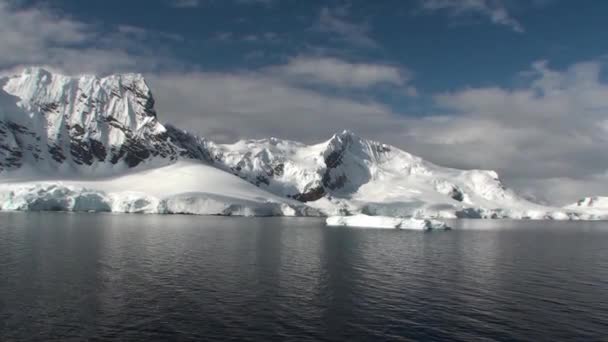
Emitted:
<point x="366" y="221"/>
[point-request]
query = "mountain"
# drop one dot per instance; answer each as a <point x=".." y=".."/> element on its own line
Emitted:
<point x="348" y="174"/>
<point x="96" y="144"/>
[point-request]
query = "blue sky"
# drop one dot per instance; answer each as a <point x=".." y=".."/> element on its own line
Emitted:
<point x="445" y="47"/>
<point x="519" y="86"/>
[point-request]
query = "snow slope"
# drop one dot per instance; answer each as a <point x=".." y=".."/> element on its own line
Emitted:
<point x="95" y="143"/>
<point x="184" y="187"/>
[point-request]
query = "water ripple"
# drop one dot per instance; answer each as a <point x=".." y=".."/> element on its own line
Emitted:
<point x="113" y="277"/>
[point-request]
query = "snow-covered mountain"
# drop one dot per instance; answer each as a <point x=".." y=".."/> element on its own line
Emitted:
<point x="596" y="206"/>
<point x="90" y="143"/>
<point x="596" y="202"/>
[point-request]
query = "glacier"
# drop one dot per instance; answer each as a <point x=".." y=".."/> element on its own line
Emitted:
<point x="89" y="143"/>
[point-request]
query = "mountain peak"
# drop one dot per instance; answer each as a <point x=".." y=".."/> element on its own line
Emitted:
<point x="345" y="134"/>
<point x="43" y="71"/>
<point x="36" y="86"/>
<point x="36" y="80"/>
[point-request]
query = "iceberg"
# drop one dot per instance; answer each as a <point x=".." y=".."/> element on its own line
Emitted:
<point x="385" y="222"/>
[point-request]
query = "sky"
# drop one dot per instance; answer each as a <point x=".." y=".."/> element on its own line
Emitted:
<point x="517" y="86"/>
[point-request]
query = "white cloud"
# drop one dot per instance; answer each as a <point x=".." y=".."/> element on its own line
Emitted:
<point x="340" y="73"/>
<point x="24" y="33"/>
<point x="40" y="36"/>
<point x="494" y="10"/>
<point x="553" y="128"/>
<point x="229" y="106"/>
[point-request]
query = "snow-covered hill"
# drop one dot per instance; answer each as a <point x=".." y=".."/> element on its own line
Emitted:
<point x="62" y="138"/>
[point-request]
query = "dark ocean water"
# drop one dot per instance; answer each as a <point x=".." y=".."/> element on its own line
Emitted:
<point x="145" y="278"/>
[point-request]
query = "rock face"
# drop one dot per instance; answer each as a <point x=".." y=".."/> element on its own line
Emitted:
<point x="72" y="123"/>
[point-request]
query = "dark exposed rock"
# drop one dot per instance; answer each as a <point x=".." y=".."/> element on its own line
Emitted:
<point x="468" y="213"/>
<point x="382" y="148"/>
<point x="98" y="149"/>
<point x="457" y="194"/>
<point x="279" y="169"/>
<point x="117" y="154"/>
<point x="49" y="107"/>
<point x="136" y="153"/>
<point x="114" y="123"/>
<point x="334" y="183"/>
<point x="261" y="180"/>
<point x="190" y="146"/>
<point x="310" y="195"/>
<point x="334" y="159"/>
<point x="149" y="107"/>
<point x="76" y="130"/>
<point x="16" y="128"/>
<point x="56" y="153"/>
<point x="81" y="154"/>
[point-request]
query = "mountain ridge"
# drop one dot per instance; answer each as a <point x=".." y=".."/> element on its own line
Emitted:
<point x="102" y="126"/>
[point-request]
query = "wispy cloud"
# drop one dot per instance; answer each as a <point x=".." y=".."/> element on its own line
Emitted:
<point x="494" y="10"/>
<point x="253" y="2"/>
<point x="340" y="73"/>
<point x="263" y="37"/>
<point x="184" y="3"/>
<point x="336" y="21"/>
<point x="198" y="3"/>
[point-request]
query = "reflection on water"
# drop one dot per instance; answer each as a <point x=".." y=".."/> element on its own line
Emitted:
<point x="145" y="277"/>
